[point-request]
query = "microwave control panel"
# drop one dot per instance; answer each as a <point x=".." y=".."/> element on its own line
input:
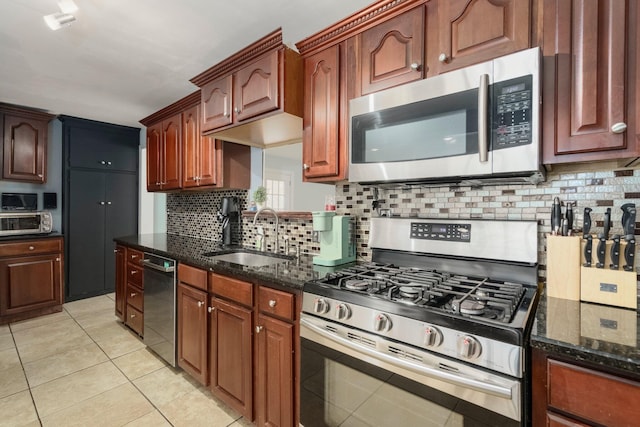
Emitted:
<point x="512" y="112"/>
<point x="448" y="232"/>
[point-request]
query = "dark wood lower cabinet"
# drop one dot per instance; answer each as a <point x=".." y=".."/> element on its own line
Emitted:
<point x="231" y="355"/>
<point x="275" y="372"/>
<point x="569" y="394"/>
<point x="31" y="278"/>
<point x="193" y="332"/>
<point x="121" y="280"/>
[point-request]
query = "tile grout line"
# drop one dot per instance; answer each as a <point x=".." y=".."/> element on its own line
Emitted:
<point x="26" y="379"/>
<point x="125" y="375"/>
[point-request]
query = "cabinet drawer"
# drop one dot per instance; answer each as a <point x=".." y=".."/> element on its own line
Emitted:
<point x="134" y="275"/>
<point x="135" y="297"/>
<point x="192" y="276"/>
<point x="598" y="397"/>
<point x="135" y="319"/>
<point x="134" y="256"/>
<point x="276" y="303"/>
<point x="232" y="289"/>
<point x="30" y="247"/>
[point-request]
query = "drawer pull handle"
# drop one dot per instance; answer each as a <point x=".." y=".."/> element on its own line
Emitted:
<point x="134" y="272"/>
<point x="133" y="294"/>
<point x="31" y="248"/>
<point x="200" y="303"/>
<point x="132" y="316"/>
<point x="134" y="256"/>
<point x="259" y="329"/>
<point x="272" y="303"/>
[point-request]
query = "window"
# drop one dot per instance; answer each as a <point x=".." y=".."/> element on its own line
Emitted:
<point x="278" y="185"/>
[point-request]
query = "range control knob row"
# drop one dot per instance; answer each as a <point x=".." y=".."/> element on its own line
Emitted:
<point x="320" y="306"/>
<point x="382" y="323"/>
<point x="469" y="347"/>
<point x="343" y="312"/>
<point x="432" y="336"/>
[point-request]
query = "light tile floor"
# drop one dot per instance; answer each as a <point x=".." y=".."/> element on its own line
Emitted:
<point x="82" y="367"/>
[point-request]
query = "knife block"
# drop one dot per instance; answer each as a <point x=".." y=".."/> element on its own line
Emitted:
<point x="610" y="287"/>
<point x="563" y="267"/>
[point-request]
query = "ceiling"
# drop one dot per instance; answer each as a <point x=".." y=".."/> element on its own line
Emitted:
<point x="122" y="60"/>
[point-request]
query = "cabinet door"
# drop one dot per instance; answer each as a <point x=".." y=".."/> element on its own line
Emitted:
<point x="190" y="146"/>
<point x="585" y="88"/>
<point x="29" y="283"/>
<point x="231" y="355"/>
<point x="465" y="32"/>
<point x="87" y="214"/>
<point x="274" y="381"/>
<point x="391" y="53"/>
<point x="209" y="161"/>
<point x="216" y="104"/>
<point x="100" y="148"/>
<point x="255" y="90"/>
<point x="121" y="197"/>
<point x="25" y="149"/>
<point x="172" y="152"/>
<point x="121" y="280"/>
<point x="154" y="156"/>
<point x="321" y="122"/>
<point x="192" y="332"/>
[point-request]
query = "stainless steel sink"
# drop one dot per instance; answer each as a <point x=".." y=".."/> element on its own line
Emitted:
<point x="249" y="259"/>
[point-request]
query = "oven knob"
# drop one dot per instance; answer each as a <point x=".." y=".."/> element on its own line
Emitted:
<point x="343" y="312"/>
<point x="469" y="347"/>
<point x="382" y="323"/>
<point x="320" y="306"/>
<point x="432" y="337"/>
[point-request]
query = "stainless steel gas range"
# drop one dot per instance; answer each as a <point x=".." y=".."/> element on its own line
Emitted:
<point x="440" y="318"/>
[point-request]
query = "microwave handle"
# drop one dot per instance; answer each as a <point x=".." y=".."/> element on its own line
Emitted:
<point x="483" y="117"/>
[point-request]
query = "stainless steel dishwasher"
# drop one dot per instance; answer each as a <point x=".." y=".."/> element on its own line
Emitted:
<point x="160" y="306"/>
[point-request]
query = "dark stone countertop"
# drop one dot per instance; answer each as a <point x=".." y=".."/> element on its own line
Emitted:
<point x="596" y="334"/>
<point x="17" y="238"/>
<point x="290" y="275"/>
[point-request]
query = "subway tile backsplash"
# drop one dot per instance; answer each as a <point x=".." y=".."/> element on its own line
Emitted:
<point x="598" y="185"/>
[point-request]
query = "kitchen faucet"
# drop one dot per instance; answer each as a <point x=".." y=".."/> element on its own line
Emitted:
<point x="275" y="215"/>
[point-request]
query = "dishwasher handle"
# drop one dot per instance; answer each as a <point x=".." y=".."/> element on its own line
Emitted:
<point x="154" y="266"/>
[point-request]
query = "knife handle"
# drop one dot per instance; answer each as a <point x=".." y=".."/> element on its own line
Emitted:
<point x="629" y="252"/>
<point x="587" y="251"/>
<point x="607" y="223"/>
<point x="600" y="252"/>
<point x="586" y="222"/>
<point x="615" y="253"/>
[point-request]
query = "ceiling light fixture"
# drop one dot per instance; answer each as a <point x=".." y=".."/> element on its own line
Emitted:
<point x="55" y="21"/>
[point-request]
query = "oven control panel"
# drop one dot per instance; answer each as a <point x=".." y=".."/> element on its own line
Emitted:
<point x="441" y="231"/>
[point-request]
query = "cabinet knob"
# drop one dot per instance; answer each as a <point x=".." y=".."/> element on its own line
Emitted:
<point x="108" y="163"/>
<point x="443" y="58"/>
<point x="415" y="66"/>
<point x="115" y="251"/>
<point x="237" y="110"/>
<point x="259" y="329"/>
<point x="40" y="175"/>
<point x="132" y="316"/>
<point x="108" y="203"/>
<point x="619" y="127"/>
<point x="133" y="256"/>
<point x="200" y="303"/>
<point x="134" y="272"/>
<point x="31" y="248"/>
<point x="58" y="259"/>
<point x="272" y="303"/>
<point x="133" y="294"/>
<point x="102" y="162"/>
<point x="211" y="309"/>
<point x="101" y="203"/>
<point x="305" y="167"/>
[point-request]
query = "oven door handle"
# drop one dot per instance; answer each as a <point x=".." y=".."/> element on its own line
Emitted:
<point x="452" y="378"/>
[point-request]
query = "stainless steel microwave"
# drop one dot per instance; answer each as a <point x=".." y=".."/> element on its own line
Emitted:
<point x="16" y="223"/>
<point x="474" y="125"/>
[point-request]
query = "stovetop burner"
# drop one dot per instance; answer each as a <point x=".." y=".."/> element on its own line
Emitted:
<point x="430" y="289"/>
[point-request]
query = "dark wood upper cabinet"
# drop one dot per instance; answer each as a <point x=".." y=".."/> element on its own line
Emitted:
<point x="255" y="88"/>
<point x="322" y="150"/>
<point x="217" y="103"/>
<point x="154" y="153"/>
<point x="164" y="154"/>
<point x="259" y="81"/>
<point x="392" y="53"/>
<point x="466" y="32"/>
<point x="199" y="155"/>
<point x="24" y="144"/>
<point x="590" y="80"/>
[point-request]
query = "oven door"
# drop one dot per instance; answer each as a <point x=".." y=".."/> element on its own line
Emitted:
<point x="345" y="380"/>
<point x="429" y="129"/>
